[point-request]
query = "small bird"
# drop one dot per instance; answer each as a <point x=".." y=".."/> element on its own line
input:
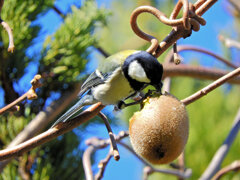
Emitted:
<point x="120" y="77"/>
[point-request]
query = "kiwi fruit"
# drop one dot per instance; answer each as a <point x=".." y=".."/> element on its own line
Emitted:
<point x="159" y="131"/>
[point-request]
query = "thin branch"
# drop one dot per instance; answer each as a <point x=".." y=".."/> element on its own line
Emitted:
<point x="235" y="4"/>
<point x="181" y="27"/>
<point x="235" y="166"/>
<point x="180" y="32"/>
<point x="94" y="144"/>
<point x="30" y="94"/>
<point x="111" y="136"/>
<point x="211" y="87"/>
<point x="102" y="51"/>
<point x="176" y="58"/>
<point x="181" y="163"/>
<point x="185" y="174"/>
<point x="170" y="55"/>
<point x="87" y="162"/>
<point x="219" y="156"/>
<point x="171" y="70"/>
<point x="41" y="120"/>
<point x="11" y="46"/>
<point x="51" y="133"/>
<point x="102" y="166"/>
<point x="1" y="5"/>
<point x="8" y="29"/>
<point x="147" y="171"/>
<point x="229" y="42"/>
<point x="58" y="12"/>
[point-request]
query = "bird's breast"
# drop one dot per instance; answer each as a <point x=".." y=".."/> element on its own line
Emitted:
<point x="115" y="88"/>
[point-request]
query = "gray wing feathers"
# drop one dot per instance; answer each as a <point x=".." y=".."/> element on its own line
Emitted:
<point x="73" y="110"/>
<point x="93" y="80"/>
<point x="86" y="100"/>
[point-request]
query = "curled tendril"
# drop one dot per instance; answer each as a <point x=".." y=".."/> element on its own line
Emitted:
<point x="176" y="10"/>
<point x="190" y="20"/>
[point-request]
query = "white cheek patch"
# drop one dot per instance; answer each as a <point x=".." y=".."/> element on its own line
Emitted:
<point x="136" y="71"/>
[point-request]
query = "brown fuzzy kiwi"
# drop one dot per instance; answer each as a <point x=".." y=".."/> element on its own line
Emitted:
<point x="159" y="132"/>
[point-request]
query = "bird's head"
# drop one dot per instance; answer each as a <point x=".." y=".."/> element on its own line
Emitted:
<point x="141" y="68"/>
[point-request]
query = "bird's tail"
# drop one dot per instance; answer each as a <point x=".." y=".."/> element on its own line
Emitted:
<point x="67" y="115"/>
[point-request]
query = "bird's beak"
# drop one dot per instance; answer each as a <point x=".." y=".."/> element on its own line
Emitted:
<point x="159" y="87"/>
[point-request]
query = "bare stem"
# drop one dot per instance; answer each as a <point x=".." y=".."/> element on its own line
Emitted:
<point x="235" y="166"/>
<point x="201" y="50"/>
<point x="221" y="153"/>
<point x="185" y="174"/>
<point x="87" y="162"/>
<point x="181" y="163"/>
<point x="102" y="166"/>
<point x="10" y="35"/>
<point x="57" y="10"/>
<point x="171" y="70"/>
<point x="211" y="87"/>
<point x="51" y="133"/>
<point x="30" y="94"/>
<point x="201" y="7"/>
<point x="229" y="42"/>
<point x="112" y="139"/>
<point x="41" y="120"/>
<point x="94" y="144"/>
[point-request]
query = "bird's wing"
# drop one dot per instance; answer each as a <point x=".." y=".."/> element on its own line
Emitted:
<point x="105" y="69"/>
<point x="96" y="78"/>
<point x="67" y="115"/>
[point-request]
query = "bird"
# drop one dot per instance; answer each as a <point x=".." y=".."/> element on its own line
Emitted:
<point x="119" y="77"/>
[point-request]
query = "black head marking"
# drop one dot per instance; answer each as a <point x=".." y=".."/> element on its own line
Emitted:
<point x="151" y="66"/>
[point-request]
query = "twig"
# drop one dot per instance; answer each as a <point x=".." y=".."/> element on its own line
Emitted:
<point x="211" y="87"/>
<point x="219" y="156"/>
<point x="185" y="174"/>
<point x="229" y="42"/>
<point x="94" y="144"/>
<point x="102" y="51"/>
<point x="176" y="57"/>
<point x="180" y="32"/>
<point x="147" y="171"/>
<point x="11" y="46"/>
<point x="235" y="4"/>
<point x="181" y="163"/>
<point x="185" y="18"/>
<point x="181" y="26"/>
<point x="58" y="12"/>
<point x="41" y="120"/>
<point x="102" y="166"/>
<point x="170" y="55"/>
<point x="30" y="94"/>
<point x="8" y="29"/>
<point x="112" y="139"/>
<point x="235" y="166"/>
<point x="171" y="70"/>
<point x="87" y="162"/>
<point x="51" y="133"/>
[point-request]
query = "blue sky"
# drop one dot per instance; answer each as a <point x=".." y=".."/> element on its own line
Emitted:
<point x="129" y="167"/>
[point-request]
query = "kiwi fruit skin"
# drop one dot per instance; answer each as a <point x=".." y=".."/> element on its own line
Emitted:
<point x="159" y="132"/>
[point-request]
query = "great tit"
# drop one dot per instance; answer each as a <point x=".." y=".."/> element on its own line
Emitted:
<point x="121" y="76"/>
